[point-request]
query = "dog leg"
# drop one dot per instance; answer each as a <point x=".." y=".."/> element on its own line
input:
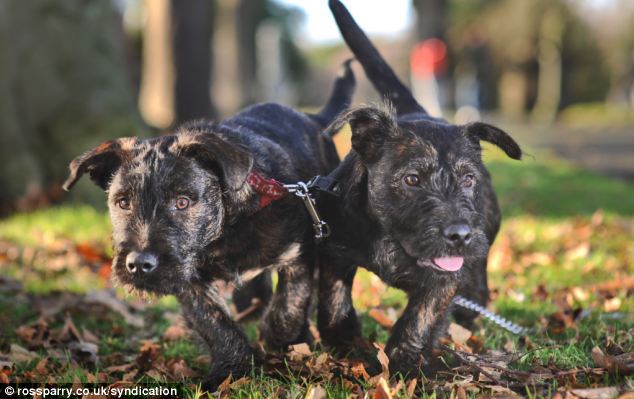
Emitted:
<point x="413" y="334"/>
<point x="285" y="322"/>
<point x="207" y="314"/>
<point x="336" y="317"/>
<point x="475" y="287"/>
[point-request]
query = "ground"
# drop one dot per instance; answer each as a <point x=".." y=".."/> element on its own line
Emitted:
<point x="563" y="264"/>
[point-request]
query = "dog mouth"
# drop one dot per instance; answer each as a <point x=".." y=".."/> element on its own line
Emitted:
<point x="446" y="263"/>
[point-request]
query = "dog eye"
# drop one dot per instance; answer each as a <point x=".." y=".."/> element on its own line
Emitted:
<point x="124" y="204"/>
<point x="412" y="180"/>
<point x="182" y="203"/>
<point x="468" y="181"/>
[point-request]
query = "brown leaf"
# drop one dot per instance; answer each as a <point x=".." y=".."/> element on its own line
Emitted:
<point x="119" y="368"/>
<point x="384" y="360"/>
<point x="299" y="351"/>
<point x="358" y="371"/>
<point x="614" y="364"/>
<point x="84" y="353"/>
<point x="380" y="317"/>
<point x="411" y="388"/>
<point x="40" y="368"/>
<point x="179" y="369"/>
<point x="175" y="332"/>
<point x="597" y="393"/>
<point x="18" y="354"/>
<point x="155" y="374"/>
<point x="382" y="390"/>
<point x="458" y="333"/>
<point x="315" y="392"/>
<point x="88" y="336"/>
<point x="149" y="353"/>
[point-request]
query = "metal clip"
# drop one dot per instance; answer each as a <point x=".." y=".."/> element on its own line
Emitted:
<point x="301" y="190"/>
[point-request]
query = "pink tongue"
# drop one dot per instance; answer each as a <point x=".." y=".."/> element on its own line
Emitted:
<point x="450" y="264"/>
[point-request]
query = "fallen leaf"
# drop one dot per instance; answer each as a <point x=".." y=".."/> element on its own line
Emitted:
<point x="597" y="393"/>
<point x="411" y="388"/>
<point x="108" y="299"/>
<point x="315" y="392"/>
<point x="622" y="364"/>
<point x="458" y="333"/>
<point x="175" y="332"/>
<point x="358" y="371"/>
<point x="18" y="354"/>
<point x="84" y="353"/>
<point x="383" y="360"/>
<point x="382" y="390"/>
<point x="149" y="353"/>
<point x="179" y="369"/>
<point x="299" y="351"/>
<point x="382" y="318"/>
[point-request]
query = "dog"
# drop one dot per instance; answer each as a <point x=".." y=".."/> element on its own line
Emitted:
<point x="205" y="204"/>
<point x="416" y="207"/>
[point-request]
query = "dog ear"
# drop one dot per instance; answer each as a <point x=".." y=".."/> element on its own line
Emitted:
<point x="231" y="161"/>
<point x="101" y="162"/>
<point x="482" y="131"/>
<point x="371" y="127"/>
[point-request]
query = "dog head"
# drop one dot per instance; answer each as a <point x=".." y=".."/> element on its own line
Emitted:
<point x="168" y="199"/>
<point x="427" y="186"/>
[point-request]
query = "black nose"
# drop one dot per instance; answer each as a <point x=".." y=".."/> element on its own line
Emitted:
<point x="140" y="261"/>
<point x="458" y="234"/>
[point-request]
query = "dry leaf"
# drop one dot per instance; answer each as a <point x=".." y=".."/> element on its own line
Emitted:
<point x="179" y="369"/>
<point x="382" y="390"/>
<point x="358" y="371"/>
<point x="458" y="333"/>
<point x="597" y="393"/>
<point x="384" y="360"/>
<point x="299" y="351"/>
<point x="614" y="364"/>
<point x="84" y="352"/>
<point x="315" y="392"/>
<point x="411" y="388"/>
<point x="175" y="332"/>
<point x="18" y="354"/>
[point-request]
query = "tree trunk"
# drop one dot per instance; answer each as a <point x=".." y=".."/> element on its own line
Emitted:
<point x="192" y="23"/>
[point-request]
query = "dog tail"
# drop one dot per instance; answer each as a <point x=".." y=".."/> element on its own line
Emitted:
<point x="378" y="71"/>
<point x="341" y="95"/>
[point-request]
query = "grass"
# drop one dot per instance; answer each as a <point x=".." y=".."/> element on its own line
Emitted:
<point x="564" y="231"/>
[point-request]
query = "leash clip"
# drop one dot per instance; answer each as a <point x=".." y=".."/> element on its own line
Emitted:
<point x="302" y="190"/>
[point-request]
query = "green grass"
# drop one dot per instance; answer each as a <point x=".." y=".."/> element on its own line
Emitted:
<point x="553" y="241"/>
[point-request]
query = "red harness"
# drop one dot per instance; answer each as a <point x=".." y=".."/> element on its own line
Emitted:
<point x="269" y="190"/>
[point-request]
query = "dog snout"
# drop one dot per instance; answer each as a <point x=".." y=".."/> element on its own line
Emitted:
<point x="457" y="234"/>
<point x="142" y="262"/>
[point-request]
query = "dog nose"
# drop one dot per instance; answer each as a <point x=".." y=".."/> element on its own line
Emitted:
<point x="458" y="234"/>
<point x="140" y="261"/>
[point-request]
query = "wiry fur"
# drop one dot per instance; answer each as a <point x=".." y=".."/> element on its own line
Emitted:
<point x="223" y="233"/>
<point x="395" y="229"/>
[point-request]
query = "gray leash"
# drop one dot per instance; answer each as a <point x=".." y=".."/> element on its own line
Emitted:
<point x="495" y="318"/>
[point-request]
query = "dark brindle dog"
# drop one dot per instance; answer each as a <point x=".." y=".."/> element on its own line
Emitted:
<point x="199" y="206"/>
<point x="416" y="207"/>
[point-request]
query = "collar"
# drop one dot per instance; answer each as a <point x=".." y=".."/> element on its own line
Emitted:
<point x="268" y="190"/>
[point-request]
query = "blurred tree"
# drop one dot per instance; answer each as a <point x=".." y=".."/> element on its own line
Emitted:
<point x="192" y="27"/>
<point x="431" y="18"/>
<point x="64" y="88"/>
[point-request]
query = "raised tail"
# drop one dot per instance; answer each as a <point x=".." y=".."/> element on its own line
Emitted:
<point x="378" y="71"/>
<point x="340" y="97"/>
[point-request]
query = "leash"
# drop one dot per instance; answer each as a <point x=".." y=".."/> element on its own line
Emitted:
<point x="304" y="191"/>
<point x="495" y="318"/>
<point x="270" y="190"/>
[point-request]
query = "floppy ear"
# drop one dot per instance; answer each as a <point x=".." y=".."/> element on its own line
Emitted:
<point x="371" y="127"/>
<point x="101" y="162"/>
<point x="231" y="161"/>
<point x="483" y="131"/>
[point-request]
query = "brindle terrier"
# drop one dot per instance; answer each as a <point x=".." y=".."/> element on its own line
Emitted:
<point x="416" y="207"/>
<point x="201" y="205"/>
